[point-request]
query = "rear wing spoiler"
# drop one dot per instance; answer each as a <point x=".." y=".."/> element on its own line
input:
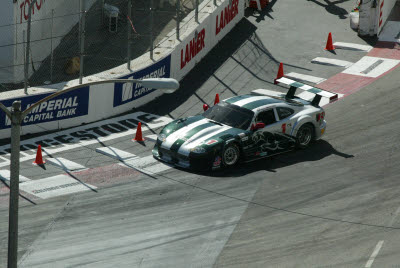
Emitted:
<point x="319" y="93"/>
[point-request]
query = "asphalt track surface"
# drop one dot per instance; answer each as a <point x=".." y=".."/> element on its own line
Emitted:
<point x="330" y="205"/>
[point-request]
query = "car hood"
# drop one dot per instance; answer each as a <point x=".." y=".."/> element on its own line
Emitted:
<point x="185" y="134"/>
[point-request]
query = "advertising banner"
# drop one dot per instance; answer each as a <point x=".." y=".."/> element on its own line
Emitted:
<point x="127" y="92"/>
<point x="69" y="105"/>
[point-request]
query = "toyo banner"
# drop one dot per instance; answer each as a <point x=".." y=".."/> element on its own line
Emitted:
<point x="127" y="92"/>
<point x="69" y="105"/>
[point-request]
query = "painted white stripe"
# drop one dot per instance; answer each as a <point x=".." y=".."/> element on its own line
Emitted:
<point x="115" y="153"/>
<point x="248" y="100"/>
<point x="390" y="32"/>
<point x="185" y="150"/>
<point x="199" y="135"/>
<point x="181" y="133"/>
<point x="55" y="186"/>
<point x="374" y="254"/>
<point x="331" y="62"/>
<point x="305" y="78"/>
<point x="65" y="164"/>
<point x="147" y="165"/>
<point x="5" y="176"/>
<point x="159" y="121"/>
<point x="268" y="92"/>
<point x="152" y="137"/>
<point x="352" y="46"/>
<point x="371" y="66"/>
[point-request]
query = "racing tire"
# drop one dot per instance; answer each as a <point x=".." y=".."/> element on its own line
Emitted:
<point x="305" y="135"/>
<point x="230" y="155"/>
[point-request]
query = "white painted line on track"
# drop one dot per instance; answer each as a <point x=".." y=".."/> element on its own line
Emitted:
<point x="74" y="142"/>
<point x="5" y="175"/>
<point x="374" y="254"/>
<point x="391" y="32"/>
<point x="152" y="138"/>
<point x="305" y="78"/>
<point x="65" y="164"/>
<point x="352" y="46"/>
<point x="371" y="66"/>
<point x="332" y="62"/>
<point x="55" y="186"/>
<point x="115" y="153"/>
<point x="148" y="165"/>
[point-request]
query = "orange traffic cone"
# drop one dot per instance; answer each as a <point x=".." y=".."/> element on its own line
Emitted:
<point x="39" y="159"/>
<point x="138" y="136"/>
<point x="329" y="44"/>
<point x="280" y="73"/>
<point x="216" y="99"/>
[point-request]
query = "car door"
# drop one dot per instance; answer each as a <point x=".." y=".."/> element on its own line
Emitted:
<point x="271" y="139"/>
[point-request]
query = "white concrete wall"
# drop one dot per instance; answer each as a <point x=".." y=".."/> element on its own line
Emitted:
<point x="106" y="100"/>
<point x="372" y="19"/>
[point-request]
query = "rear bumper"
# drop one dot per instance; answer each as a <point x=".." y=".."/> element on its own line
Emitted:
<point x="321" y="131"/>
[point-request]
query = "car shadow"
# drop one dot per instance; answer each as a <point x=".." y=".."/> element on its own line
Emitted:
<point x="317" y="151"/>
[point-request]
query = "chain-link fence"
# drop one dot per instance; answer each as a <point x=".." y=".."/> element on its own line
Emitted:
<point x="88" y="37"/>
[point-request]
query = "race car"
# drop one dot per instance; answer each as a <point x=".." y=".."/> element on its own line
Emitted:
<point x="245" y="128"/>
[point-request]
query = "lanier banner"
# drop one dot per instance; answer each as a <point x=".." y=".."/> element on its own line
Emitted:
<point x="68" y="105"/>
<point x="127" y="92"/>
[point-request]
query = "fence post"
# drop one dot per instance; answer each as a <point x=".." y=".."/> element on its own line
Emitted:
<point x="129" y="34"/>
<point x="28" y="40"/>
<point x="151" y="29"/>
<point x="196" y="13"/>
<point x="82" y="42"/>
<point x="51" y="46"/>
<point x="215" y="2"/>
<point x="178" y="11"/>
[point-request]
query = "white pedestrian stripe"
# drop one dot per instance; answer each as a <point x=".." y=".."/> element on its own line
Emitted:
<point x="371" y="66"/>
<point x="65" y="164"/>
<point x="391" y="32"/>
<point x="148" y="165"/>
<point x="55" y="186"/>
<point x="352" y="46"/>
<point x="332" y="62"/>
<point x="374" y="254"/>
<point x="115" y="153"/>
<point x="305" y="78"/>
<point x="6" y="174"/>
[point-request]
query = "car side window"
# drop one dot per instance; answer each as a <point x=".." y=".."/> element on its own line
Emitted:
<point x="284" y="112"/>
<point x="266" y="117"/>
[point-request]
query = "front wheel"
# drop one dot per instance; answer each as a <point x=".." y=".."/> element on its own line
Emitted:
<point x="305" y="136"/>
<point x="230" y="155"/>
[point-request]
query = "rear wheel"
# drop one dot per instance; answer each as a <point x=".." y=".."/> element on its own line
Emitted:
<point x="305" y="136"/>
<point x="230" y="155"/>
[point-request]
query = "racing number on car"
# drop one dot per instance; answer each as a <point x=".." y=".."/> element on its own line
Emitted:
<point x="283" y="128"/>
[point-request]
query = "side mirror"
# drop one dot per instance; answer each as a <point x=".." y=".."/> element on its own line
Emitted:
<point x="205" y="107"/>
<point x="257" y="126"/>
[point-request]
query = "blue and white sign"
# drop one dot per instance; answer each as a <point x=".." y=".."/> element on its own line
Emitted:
<point x="68" y="105"/>
<point x="127" y="92"/>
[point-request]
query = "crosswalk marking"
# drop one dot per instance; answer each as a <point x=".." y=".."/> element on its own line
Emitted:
<point x="55" y="186"/>
<point x="352" y="46"/>
<point x="115" y="153"/>
<point x="305" y="78"/>
<point x="331" y="62"/>
<point x="65" y="164"/>
<point x="5" y="176"/>
<point x="148" y="165"/>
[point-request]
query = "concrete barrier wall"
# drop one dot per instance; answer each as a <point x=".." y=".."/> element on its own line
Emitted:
<point x="373" y="16"/>
<point x="172" y="58"/>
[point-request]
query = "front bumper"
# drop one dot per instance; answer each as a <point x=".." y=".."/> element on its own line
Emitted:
<point x="200" y="162"/>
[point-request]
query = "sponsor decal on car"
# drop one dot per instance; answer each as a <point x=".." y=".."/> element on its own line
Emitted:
<point x="211" y="142"/>
<point x="217" y="161"/>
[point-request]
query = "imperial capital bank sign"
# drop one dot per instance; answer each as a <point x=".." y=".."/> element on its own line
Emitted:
<point x="69" y="105"/>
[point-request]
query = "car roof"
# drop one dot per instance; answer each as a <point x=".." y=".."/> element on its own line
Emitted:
<point x="253" y="102"/>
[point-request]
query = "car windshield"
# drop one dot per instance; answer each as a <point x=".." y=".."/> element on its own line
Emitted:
<point x="230" y="115"/>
